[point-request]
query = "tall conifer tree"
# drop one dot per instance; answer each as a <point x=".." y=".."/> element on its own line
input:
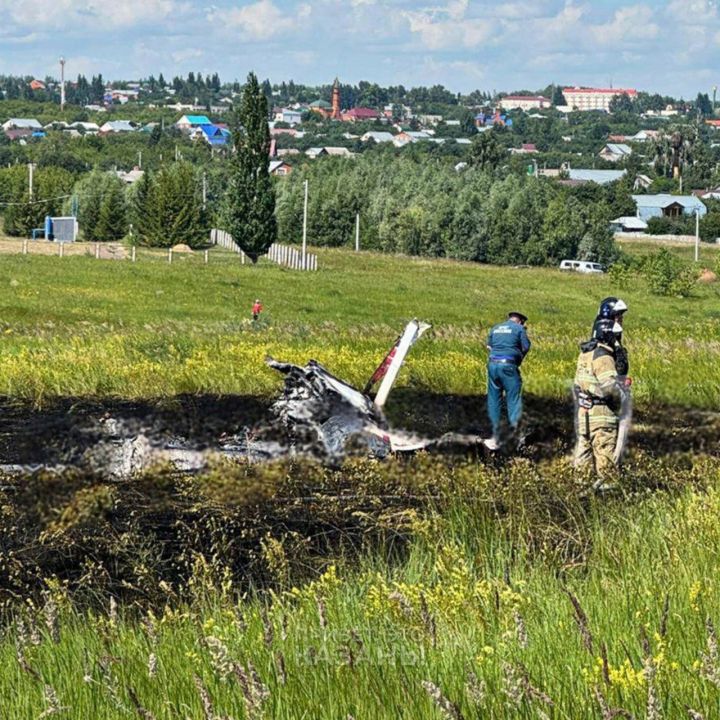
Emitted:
<point x="250" y="199"/>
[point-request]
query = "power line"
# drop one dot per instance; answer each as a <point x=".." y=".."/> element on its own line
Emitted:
<point x="37" y="202"/>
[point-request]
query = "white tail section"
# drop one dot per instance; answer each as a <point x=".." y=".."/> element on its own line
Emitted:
<point x="413" y="330"/>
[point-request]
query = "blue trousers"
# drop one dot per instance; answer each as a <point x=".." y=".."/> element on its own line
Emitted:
<point x="504" y="379"/>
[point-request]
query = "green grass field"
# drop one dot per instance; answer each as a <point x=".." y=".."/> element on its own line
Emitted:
<point x="423" y="589"/>
<point x="77" y="326"/>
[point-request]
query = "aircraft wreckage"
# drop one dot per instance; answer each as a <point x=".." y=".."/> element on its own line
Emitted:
<point x="317" y="415"/>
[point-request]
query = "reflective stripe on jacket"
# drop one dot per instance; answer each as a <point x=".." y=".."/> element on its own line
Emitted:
<point x="596" y="376"/>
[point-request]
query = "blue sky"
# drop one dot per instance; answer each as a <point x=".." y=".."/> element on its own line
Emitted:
<point x="667" y="46"/>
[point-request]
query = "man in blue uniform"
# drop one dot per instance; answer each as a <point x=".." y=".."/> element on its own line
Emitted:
<point x="508" y="344"/>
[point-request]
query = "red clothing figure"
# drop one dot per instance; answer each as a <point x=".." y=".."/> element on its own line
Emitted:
<point x="256" y="310"/>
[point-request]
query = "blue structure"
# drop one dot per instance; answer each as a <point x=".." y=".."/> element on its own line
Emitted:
<point x="671" y="206"/>
<point x="214" y="134"/>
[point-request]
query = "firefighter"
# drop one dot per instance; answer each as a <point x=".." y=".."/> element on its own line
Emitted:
<point x="508" y="344"/>
<point x="612" y="308"/>
<point x="601" y="391"/>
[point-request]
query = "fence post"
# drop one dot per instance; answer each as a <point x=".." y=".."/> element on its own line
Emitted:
<point x="133" y="253"/>
<point x="97" y="250"/>
<point x="170" y="255"/>
<point x="62" y="249"/>
<point x="242" y="257"/>
<point x="24" y="250"/>
<point x="206" y="257"/>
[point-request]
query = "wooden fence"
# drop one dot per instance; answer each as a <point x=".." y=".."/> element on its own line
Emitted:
<point x="284" y="255"/>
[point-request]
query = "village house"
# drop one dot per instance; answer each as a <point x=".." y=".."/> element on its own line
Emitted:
<point x="117" y="126"/>
<point x="524" y="149"/>
<point x="360" y="115"/>
<point x="189" y="122"/>
<point x="291" y="117"/>
<point x="628" y="224"/>
<point x="614" y="152"/>
<point x="280" y="168"/>
<point x="525" y="102"/>
<point x="410" y="136"/>
<point x="22" y="124"/>
<point x="215" y="135"/>
<point x="377" y="136"/>
<point x="670" y="206"/>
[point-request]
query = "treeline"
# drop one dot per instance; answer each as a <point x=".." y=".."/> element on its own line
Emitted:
<point x="162" y="209"/>
<point x="423" y="206"/>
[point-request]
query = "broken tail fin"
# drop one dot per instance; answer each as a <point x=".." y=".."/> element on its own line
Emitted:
<point x="387" y="372"/>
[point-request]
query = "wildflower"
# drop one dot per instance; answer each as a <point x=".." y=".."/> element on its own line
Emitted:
<point x="205" y="699"/>
<point x="511" y="684"/>
<point x="219" y="657"/>
<point x="52" y="702"/>
<point x="695" y="595"/>
<point x="520" y="630"/>
<point x="50" y="611"/>
<point x="152" y="665"/>
<point x="475" y="689"/>
<point x="448" y="709"/>
<point x="142" y="711"/>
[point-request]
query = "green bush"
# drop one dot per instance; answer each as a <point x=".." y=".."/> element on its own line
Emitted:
<point x="667" y="274"/>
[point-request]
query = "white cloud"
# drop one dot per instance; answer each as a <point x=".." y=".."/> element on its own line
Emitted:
<point x="261" y="20"/>
<point x="180" y="56"/>
<point x="448" y="26"/>
<point x="634" y="22"/>
<point x="71" y="13"/>
<point x="693" y="12"/>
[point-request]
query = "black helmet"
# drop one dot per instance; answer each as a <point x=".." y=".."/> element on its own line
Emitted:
<point x="607" y="331"/>
<point x="611" y="307"/>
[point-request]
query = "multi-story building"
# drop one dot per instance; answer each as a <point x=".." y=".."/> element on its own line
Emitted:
<point x="594" y="98"/>
<point x="524" y="102"/>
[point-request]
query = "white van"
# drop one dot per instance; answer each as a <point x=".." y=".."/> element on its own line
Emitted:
<point x="581" y="266"/>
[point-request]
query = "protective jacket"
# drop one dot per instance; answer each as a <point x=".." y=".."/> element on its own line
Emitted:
<point x="508" y="343"/>
<point x="598" y="392"/>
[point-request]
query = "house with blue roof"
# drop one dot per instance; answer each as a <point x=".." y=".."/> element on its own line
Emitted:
<point x="670" y="206"/>
<point x="214" y="135"/>
<point x="189" y="122"/>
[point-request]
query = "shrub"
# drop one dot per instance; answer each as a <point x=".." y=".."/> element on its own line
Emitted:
<point x="667" y="274"/>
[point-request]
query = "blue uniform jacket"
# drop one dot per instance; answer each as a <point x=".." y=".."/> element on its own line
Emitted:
<point x="508" y="342"/>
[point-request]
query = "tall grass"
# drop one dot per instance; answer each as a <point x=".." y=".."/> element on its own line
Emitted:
<point x="78" y="326"/>
<point x="575" y="608"/>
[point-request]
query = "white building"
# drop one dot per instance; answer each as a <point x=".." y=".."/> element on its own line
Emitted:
<point x="22" y="124"/>
<point x="594" y="98"/>
<point x="525" y="102"/>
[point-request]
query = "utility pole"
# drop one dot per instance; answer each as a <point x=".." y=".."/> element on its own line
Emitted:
<point x="305" y="213"/>
<point x="139" y="159"/>
<point x="62" y="84"/>
<point x="204" y="190"/>
<point x="357" y="233"/>
<point x="31" y="167"/>
<point x="697" y="235"/>
<point x="714" y="96"/>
